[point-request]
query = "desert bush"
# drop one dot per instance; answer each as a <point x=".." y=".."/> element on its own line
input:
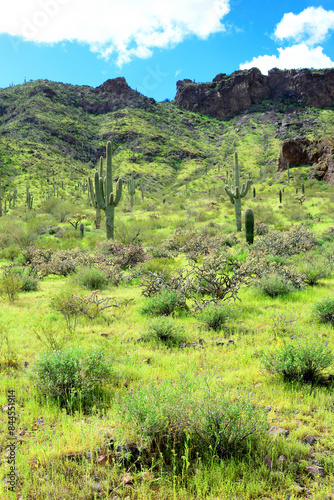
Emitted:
<point x="274" y="285"/>
<point x="91" y="278"/>
<point x="10" y="284"/>
<point x="297" y="239"/>
<point x="164" y="303"/>
<point x="313" y="267"/>
<point x="8" y="354"/>
<point x="324" y="311"/>
<point x="303" y="360"/>
<point x="260" y="228"/>
<point x="218" y="276"/>
<point x="11" y="252"/>
<point x="124" y="256"/>
<point x="50" y="335"/>
<point x="165" y="331"/>
<point x="259" y="265"/>
<point x="15" y="232"/>
<point x="158" y="265"/>
<point x="29" y="282"/>
<point x="214" y="316"/>
<point x="174" y="422"/>
<point x="75" y="378"/>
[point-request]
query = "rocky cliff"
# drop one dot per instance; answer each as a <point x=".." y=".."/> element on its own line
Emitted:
<point x="302" y="151"/>
<point x="228" y="95"/>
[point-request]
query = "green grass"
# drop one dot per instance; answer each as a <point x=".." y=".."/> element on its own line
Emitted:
<point x="166" y="152"/>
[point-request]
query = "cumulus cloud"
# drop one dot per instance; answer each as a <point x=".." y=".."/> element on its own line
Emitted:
<point x="124" y="30"/>
<point x="297" y="56"/>
<point x="311" y="26"/>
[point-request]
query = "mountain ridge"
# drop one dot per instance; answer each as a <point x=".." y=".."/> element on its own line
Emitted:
<point x="229" y="95"/>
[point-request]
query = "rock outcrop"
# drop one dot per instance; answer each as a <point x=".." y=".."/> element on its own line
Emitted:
<point x="229" y="95"/>
<point x="302" y="151"/>
<point x="112" y="95"/>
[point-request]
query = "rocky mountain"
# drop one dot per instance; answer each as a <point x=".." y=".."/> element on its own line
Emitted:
<point x="51" y="131"/>
<point x="228" y="95"/>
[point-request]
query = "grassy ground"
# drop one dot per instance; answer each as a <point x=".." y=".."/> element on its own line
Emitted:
<point x="60" y="455"/>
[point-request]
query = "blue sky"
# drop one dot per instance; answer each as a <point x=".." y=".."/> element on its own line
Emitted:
<point x="154" y="44"/>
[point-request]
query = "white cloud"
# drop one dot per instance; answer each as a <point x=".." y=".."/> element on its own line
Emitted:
<point x="311" y="26"/>
<point x="297" y="56"/>
<point x="124" y="29"/>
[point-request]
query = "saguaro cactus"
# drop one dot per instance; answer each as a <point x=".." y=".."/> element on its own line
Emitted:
<point x="249" y="225"/>
<point x="92" y="195"/>
<point x="236" y="193"/>
<point x="105" y="196"/>
<point x="131" y="189"/>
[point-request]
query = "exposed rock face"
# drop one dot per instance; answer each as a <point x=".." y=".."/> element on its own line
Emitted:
<point x="116" y="94"/>
<point x="301" y="151"/>
<point x="229" y="95"/>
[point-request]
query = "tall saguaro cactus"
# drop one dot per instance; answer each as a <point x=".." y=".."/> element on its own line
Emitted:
<point x="104" y="194"/>
<point x="92" y="195"/>
<point x="131" y="189"/>
<point x="236" y="193"/>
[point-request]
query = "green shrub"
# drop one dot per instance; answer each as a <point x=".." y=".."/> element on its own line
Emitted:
<point x="175" y="421"/>
<point x="313" y="269"/>
<point x="166" y="331"/>
<point x="164" y="303"/>
<point x="8" y="354"/>
<point x="29" y="282"/>
<point x="158" y="265"/>
<point x="274" y="285"/>
<point x="75" y="378"/>
<point x="10" y="253"/>
<point x="10" y="285"/>
<point x="214" y="316"/>
<point x="324" y="311"/>
<point x="302" y="360"/>
<point x="91" y="278"/>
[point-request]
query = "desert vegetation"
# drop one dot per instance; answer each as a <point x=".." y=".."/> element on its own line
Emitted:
<point x="190" y="354"/>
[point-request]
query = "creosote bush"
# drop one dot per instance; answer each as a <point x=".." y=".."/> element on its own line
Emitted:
<point x="164" y="303"/>
<point x="75" y="378"/>
<point x="274" y="285"/>
<point x="10" y="284"/>
<point x="174" y="420"/>
<point x="165" y="331"/>
<point x="303" y="360"/>
<point x="214" y="316"/>
<point x="91" y="278"/>
<point x="324" y="311"/>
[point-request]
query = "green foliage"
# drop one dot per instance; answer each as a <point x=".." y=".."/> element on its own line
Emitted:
<point x="313" y="267"/>
<point x="91" y="278"/>
<point x="164" y="303"/>
<point x="165" y="331"/>
<point x="8" y="353"/>
<point x="274" y="285"/>
<point x="178" y="425"/>
<point x="10" y="284"/>
<point x="324" y="311"/>
<point x="50" y="335"/>
<point x="74" y="378"/>
<point x="159" y="265"/>
<point x="302" y="360"/>
<point x="214" y="316"/>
